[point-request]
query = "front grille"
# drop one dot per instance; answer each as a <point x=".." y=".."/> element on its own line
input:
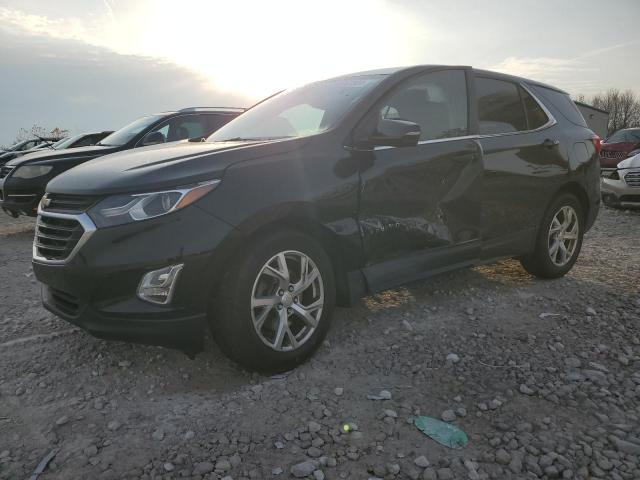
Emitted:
<point x="64" y="302"/>
<point x="633" y="179"/>
<point x="67" y="203"/>
<point x="56" y="237"/>
<point x="613" y="154"/>
<point x="4" y="171"/>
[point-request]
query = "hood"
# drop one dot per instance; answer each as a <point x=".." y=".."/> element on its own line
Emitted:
<point x="631" y="162"/>
<point x="619" y="147"/>
<point x="164" y="166"/>
<point x="48" y="156"/>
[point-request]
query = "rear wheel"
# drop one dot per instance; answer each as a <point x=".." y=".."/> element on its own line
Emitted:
<point x="559" y="239"/>
<point x="274" y="306"/>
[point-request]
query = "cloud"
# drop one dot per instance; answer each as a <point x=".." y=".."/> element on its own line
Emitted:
<point x="575" y="75"/>
<point x="67" y="83"/>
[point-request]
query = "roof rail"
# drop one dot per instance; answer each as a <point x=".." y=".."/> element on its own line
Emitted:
<point x="199" y="109"/>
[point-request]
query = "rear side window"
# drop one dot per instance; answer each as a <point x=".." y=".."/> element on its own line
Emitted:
<point x="499" y="107"/>
<point x="536" y="117"/>
<point x="562" y="102"/>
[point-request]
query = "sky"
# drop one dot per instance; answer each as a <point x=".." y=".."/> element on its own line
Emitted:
<point x="99" y="64"/>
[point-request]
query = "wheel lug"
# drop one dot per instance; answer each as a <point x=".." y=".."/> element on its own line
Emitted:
<point x="280" y="306"/>
<point x="289" y="311"/>
<point x="291" y="288"/>
<point x="295" y="299"/>
<point x="280" y="292"/>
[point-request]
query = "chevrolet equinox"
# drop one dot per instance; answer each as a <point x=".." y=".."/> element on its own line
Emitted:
<point x="315" y="197"/>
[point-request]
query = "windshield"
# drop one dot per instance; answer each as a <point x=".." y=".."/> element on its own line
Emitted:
<point x="299" y="112"/>
<point x="16" y="146"/>
<point x="624" y="136"/>
<point x="126" y="133"/>
<point x="65" y="142"/>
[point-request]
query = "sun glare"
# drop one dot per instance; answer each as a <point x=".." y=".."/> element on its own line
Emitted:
<point x="257" y="48"/>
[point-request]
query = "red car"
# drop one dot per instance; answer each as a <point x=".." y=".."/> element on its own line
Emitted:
<point x="623" y="144"/>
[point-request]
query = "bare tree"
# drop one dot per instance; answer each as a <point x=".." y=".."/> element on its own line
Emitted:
<point x="623" y="108"/>
<point x="39" y="131"/>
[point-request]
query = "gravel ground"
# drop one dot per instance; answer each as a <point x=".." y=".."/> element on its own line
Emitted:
<point x="543" y="376"/>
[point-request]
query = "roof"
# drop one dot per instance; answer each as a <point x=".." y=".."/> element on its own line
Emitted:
<point x="213" y="109"/>
<point x="505" y="76"/>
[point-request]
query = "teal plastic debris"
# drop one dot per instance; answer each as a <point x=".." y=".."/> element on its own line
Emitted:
<point x="442" y="432"/>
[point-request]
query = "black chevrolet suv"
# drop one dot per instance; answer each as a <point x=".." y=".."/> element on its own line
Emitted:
<point x="23" y="180"/>
<point x="317" y="196"/>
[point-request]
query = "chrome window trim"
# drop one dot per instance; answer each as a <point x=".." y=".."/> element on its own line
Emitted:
<point x="84" y="220"/>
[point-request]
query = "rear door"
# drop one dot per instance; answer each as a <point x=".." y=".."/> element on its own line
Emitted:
<point x="522" y="153"/>
<point x="420" y="208"/>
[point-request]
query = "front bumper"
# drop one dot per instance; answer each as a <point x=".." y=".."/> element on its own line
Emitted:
<point x="96" y="288"/>
<point x="619" y="192"/>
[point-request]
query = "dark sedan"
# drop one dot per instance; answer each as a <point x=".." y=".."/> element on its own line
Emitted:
<point x="23" y="180"/>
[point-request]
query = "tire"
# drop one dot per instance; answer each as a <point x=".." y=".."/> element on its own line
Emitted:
<point x="234" y="314"/>
<point x="542" y="263"/>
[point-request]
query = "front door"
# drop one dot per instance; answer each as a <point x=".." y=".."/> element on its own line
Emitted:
<point x="420" y="206"/>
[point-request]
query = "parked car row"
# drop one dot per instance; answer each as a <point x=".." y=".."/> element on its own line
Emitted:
<point x="620" y="161"/>
<point x="312" y="198"/>
<point x="23" y="180"/>
<point x="26" y="146"/>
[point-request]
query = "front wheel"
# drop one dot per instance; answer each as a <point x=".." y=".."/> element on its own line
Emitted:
<point x="559" y="239"/>
<point x="274" y="305"/>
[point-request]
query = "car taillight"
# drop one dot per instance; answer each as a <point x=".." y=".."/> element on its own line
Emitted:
<point x="597" y="143"/>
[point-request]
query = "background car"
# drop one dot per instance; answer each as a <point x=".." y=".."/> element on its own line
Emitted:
<point x="23" y="180"/>
<point x="17" y="149"/>
<point x="623" y="144"/>
<point x="621" y="185"/>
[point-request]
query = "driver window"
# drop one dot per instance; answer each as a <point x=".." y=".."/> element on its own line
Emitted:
<point x="436" y="101"/>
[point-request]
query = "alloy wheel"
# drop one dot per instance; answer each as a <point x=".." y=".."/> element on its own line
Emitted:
<point x="287" y="301"/>
<point x="563" y="236"/>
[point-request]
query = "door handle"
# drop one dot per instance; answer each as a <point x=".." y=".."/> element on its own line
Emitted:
<point x="551" y="143"/>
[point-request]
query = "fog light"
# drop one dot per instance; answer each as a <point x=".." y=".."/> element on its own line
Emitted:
<point x="158" y="286"/>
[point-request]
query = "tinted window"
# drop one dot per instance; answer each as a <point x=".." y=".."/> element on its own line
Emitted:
<point x="308" y="110"/>
<point x="499" y="107"/>
<point x="86" y="141"/>
<point x="125" y="134"/>
<point x="536" y="117"/>
<point x="624" y="136"/>
<point x="182" y="128"/>
<point x="216" y="121"/>
<point x="562" y="102"/>
<point x="436" y="101"/>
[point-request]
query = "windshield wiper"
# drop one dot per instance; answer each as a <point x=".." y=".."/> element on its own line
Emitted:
<point x="46" y="142"/>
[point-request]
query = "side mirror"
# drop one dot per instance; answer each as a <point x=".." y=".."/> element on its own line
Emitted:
<point x="197" y="139"/>
<point x="396" y="133"/>
<point x="152" y="138"/>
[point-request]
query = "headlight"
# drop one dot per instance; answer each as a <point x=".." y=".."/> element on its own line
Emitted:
<point x="32" y="171"/>
<point x="611" y="174"/>
<point x="127" y="208"/>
